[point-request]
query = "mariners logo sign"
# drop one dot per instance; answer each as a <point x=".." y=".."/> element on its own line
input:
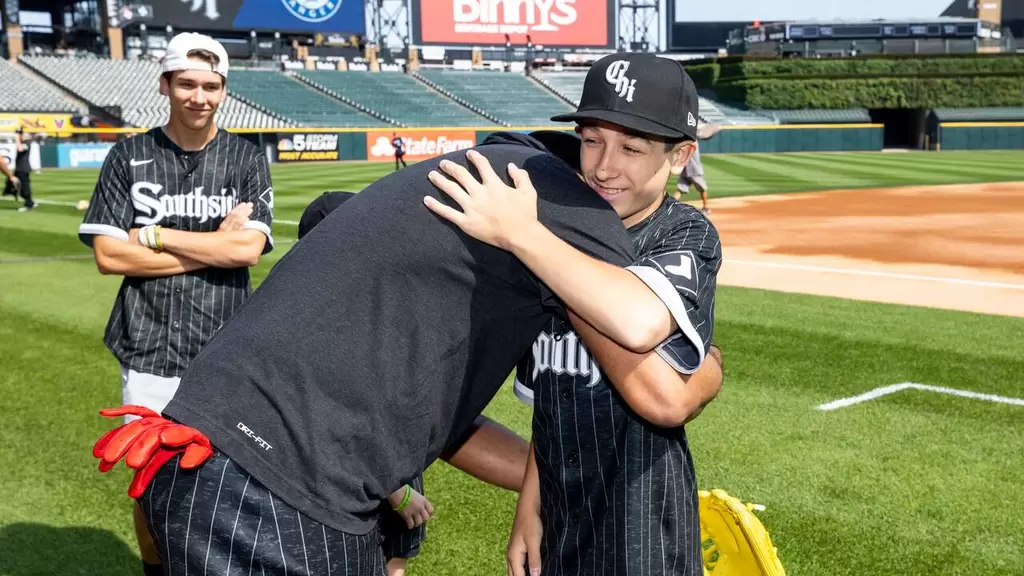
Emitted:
<point x="312" y="10"/>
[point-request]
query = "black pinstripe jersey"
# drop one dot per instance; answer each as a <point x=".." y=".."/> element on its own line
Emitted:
<point x="619" y="496"/>
<point x="158" y="325"/>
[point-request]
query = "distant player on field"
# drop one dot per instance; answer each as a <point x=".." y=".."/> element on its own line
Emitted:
<point x="693" y="173"/>
<point x="182" y="212"/>
<point x="399" y="145"/>
<point x="13" y="182"/>
<point x="23" y="170"/>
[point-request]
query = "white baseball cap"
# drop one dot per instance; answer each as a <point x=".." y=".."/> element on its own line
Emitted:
<point x="178" y="48"/>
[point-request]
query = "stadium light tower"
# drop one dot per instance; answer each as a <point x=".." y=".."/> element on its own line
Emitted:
<point x="639" y="25"/>
<point x="388" y="23"/>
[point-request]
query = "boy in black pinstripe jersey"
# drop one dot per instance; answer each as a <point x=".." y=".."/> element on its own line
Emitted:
<point x="610" y="485"/>
<point x="181" y="212"/>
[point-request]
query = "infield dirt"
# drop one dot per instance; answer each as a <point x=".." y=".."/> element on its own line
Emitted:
<point x="957" y="247"/>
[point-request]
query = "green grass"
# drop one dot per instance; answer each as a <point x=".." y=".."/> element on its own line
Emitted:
<point x="913" y="483"/>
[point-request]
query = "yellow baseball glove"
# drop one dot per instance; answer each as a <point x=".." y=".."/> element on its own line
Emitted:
<point x="734" y="541"/>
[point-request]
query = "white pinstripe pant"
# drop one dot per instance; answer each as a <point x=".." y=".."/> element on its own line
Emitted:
<point x="218" y="520"/>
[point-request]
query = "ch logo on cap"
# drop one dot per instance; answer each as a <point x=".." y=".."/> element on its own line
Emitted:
<point x="616" y="76"/>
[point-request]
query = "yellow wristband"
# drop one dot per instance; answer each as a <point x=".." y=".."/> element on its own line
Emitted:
<point x="156" y="239"/>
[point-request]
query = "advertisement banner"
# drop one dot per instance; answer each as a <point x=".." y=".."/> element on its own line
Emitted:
<point x="317" y="147"/>
<point x="795" y="10"/>
<point x="344" y="16"/>
<point x="569" y="23"/>
<point x="35" y="122"/>
<point x="82" y="155"/>
<point x="419" y="144"/>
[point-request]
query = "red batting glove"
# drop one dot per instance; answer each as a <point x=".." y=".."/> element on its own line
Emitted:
<point x="147" y="444"/>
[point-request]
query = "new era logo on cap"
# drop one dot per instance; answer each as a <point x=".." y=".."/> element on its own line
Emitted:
<point x="641" y="92"/>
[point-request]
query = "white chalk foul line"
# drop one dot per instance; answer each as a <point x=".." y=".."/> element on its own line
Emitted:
<point x="43" y="201"/>
<point x="892" y="389"/>
<point x="858" y="272"/>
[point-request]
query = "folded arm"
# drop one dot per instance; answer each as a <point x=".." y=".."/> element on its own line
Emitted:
<point x="128" y="258"/>
<point x="611" y="298"/>
<point x="651" y="387"/>
<point x="221" y="249"/>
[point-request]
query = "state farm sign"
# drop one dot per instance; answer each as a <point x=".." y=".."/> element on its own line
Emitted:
<point x="548" y="22"/>
<point x="419" y="144"/>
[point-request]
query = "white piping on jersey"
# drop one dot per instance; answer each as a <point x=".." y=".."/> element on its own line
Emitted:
<point x="668" y="294"/>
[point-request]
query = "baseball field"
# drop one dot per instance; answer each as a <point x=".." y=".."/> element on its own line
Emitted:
<point x="871" y="314"/>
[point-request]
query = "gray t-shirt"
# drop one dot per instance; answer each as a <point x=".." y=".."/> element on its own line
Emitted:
<point x="380" y="337"/>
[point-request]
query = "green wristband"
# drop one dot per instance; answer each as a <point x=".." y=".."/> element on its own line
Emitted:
<point x="405" y="501"/>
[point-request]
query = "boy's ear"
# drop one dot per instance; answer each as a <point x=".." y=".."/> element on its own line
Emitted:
<point x="165" y="87"/>
<point x="681" y="155"/>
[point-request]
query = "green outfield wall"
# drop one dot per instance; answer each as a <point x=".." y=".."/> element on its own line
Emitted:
<point x="981" y="136"/>
<point x="796" y="138"/>
<point x="318" y="144"/>
<point x="87" y="148"/>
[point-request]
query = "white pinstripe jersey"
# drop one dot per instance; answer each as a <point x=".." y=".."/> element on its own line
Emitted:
<point x="158" y="325"/>
<point x="619" y="496"/>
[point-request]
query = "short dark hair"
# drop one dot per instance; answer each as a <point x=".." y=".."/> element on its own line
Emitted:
<point x="203" y="56"/>
<point x="670" y="143"/>
<point x="320" y="208"/>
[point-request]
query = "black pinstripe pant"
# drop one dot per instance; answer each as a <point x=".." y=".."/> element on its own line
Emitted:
<point x="219" y="520"/>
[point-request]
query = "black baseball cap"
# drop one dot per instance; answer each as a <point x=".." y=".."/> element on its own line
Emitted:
<point x="320" y="208"/>
<point x="641" y="92"/>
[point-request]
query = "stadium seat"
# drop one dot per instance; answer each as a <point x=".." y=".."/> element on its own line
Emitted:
<point x="722" y="114"/>
<point x="570" y="86"/>
<point x="22" y="93"/>
<point x="397" y="96"/>
<point x="567" y="84"/>
<point x="849" y="116"/>
<point x="512" y="98"/>
<point x="134" y="86"/>
<point x="299" y="102"/>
